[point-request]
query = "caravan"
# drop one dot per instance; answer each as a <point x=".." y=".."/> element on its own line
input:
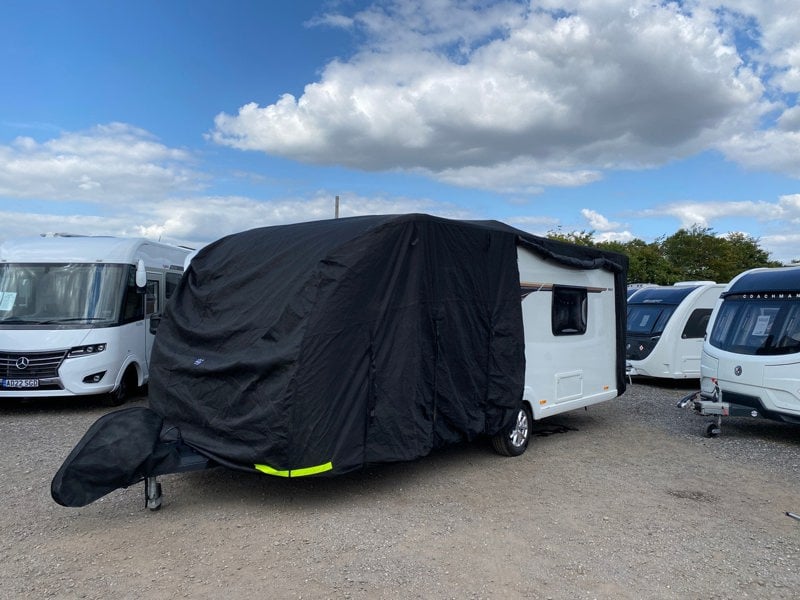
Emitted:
<point x="666" y="327"/>
<point x="751" y="359"/>
<point x="74" y="313"/>
<point x="570" y="324"/>
<point x="324" y="347"/>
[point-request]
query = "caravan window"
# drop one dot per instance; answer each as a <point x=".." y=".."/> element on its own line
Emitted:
<point x="133" y="302"/>
<point x="570" y="310"/>
<point x="649" y="319"/>
<point x="697" y="323"/>
<point x="151" y="297"/>
<point x="758" y="326"/>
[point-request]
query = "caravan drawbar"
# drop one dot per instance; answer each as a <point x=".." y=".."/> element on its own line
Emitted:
<point x="74" y="313"/>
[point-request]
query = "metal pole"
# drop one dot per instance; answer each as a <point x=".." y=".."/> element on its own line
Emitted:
<point x="337" y="208"/>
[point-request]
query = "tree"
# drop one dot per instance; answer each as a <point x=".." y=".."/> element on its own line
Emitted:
<point x="698" y="254"/>
<point x="647" y="264"/>
<point x="582" y="237"/>
<point x="693" y="253"/>
<point x="690" y="254"/>
<point x="743" y="253"/>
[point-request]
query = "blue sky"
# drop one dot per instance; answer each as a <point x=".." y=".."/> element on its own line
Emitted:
<point x="189" y="120"/>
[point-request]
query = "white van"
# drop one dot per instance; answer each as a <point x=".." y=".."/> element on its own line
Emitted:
<point x="666" y="327"/>
<point x="751" y="359"/>
<point x="75" y="311"/>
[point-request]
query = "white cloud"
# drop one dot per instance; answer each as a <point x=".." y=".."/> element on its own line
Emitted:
<point x="775" y="23"/>
<point x="615" y="236"/>
<point x="512" y="98"/>
<point x="785" y="210"/>
<point x="119" y="180"/>
<point x="597" y="221"/>
<point x="207" y="218"/>
<point x="518" y="176"/>
<point x="775" y="150"/>
<point x="777" y="220"/>
<point x="107" y="164"/>
<point x="198" y="220"/>
<point x="784" y="247"/>
<point x="604" y="230"/>
<point x="537" y="225"/>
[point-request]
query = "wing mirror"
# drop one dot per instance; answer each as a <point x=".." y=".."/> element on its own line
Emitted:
<point x="141" y="274"/>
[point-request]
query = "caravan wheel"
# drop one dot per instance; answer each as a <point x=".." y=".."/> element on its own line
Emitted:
<point x="126" y="387"/>
<point x="513" y="442"/>
<point x="712" y="429"/>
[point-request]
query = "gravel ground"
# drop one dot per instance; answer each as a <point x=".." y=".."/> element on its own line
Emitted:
<point x="629" y="500"/>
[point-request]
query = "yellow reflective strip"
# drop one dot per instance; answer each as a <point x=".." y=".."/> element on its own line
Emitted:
<point x="270" y="471"/>
<point x="296" y="472"/>
<point x="312" y="470"/>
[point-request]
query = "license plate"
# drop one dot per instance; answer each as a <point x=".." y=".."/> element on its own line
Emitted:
<point x="19" y="383"/>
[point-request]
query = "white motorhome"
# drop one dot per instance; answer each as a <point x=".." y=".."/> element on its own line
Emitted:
<point x="751" y="359"/>
<point x="75" y="311"/>
<point x="666" y="327"/>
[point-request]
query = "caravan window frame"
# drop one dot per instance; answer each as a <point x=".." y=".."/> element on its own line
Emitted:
<point x="569" y="314"/>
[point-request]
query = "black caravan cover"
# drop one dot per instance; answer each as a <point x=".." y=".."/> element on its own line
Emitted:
<point x="324" y="346"/>
<point x="119" y="449"/>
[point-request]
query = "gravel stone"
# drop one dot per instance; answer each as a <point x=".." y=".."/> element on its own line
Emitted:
<point x="625" y="500"/>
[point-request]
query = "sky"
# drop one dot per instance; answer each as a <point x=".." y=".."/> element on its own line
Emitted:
<point x="188" y="120"/>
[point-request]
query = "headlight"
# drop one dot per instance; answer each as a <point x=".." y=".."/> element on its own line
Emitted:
<point x="84" y="350"/>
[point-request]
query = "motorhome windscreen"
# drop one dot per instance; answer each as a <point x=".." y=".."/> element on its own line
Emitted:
<point x="68" y="294"/>
<point x="758" y="324"/>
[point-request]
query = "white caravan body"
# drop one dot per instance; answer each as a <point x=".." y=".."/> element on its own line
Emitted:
<point x="75" y="311"/>
<point x="666" y="327"/>
<point x="751" y="359"/>
<point x="570" y="322"/>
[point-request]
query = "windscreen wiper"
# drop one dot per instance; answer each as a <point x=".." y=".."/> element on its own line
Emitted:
<point x="68" y="320"/>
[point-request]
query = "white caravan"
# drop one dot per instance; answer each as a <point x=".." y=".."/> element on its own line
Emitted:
<point x="570" y="322"/>
<point x="75" y="311"/>
<point x="751" y="359"/>
<point x="666" y="327"/>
